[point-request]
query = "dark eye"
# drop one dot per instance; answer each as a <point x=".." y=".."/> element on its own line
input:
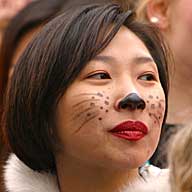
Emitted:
<point x="147" y="77"/>
<point x="100" y="76"/>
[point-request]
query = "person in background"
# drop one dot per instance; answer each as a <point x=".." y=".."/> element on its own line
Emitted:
<point x="3" y="23"/>
<point x="16" y="35"/>
<point x="9" y="8"/>
<point x="180" y="161"/>
<point x="83" y="113"/>
<point x="173" y="19"/>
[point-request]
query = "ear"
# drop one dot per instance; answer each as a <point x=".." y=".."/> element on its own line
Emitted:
<point x="157" y="13"/>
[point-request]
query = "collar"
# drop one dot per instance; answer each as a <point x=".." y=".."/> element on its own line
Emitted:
<point x="20" y="178"/>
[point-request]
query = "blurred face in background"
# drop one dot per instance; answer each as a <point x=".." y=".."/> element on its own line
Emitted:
<point x="179" y="31"/>
<point x="8" y="8"/>
<point x="174" y="18"/>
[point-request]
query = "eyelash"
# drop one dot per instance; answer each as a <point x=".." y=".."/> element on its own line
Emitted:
<point x="106" y="75"/>
<point x="95" y="75"/>
<point x="150" y="76"/>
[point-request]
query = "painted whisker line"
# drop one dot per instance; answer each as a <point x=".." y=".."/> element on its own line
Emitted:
<point x="87" y="100"/>
<point x="156" y="118"/>
<point x="90" y="118"/>
<point x="81" y="108"/>
<point x="82" y="112"/>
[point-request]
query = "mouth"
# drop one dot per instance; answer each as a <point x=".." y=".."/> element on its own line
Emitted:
<point x="130" y="130"/>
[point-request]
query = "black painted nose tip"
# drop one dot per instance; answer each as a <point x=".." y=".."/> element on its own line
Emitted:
<point x="132" y="102"/>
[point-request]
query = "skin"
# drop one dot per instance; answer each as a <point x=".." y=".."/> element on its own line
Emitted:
<point x="90" y="155"/>
<point x="180" y="40"/>
<point x="10" y="8"/>
<point x="175" y="22"/>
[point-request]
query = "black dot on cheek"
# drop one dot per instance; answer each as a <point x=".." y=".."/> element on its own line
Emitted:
<point x="150" y="114"/>
<point x="92" y="104"/>
<point x="100" y="119"/>
<point x="155" y="122"/>
<point x="107" y="111"/>
<point x="153" y="106"/>
<point x="107" y="97"/>
<point x="88" y="114"/>
<point x="93" y="97"/>
<point x="101" y="107"/>
<point x="106" y="103"/>
<point x="159" y="117"/>
<point x="100" y="95"/>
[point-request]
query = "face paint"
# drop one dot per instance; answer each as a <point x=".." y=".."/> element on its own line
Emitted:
<point x="155" y="108"/>
<point x="88" y="109"/>
<point x="132" y="102"/>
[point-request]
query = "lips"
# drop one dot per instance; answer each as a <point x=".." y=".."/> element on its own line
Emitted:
<point x="130" y="130"/>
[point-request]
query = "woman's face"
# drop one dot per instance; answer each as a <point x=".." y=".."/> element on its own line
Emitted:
<point x="92" y="127"/>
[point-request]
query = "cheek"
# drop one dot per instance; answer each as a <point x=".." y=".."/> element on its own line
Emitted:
<point x="86" y="108"/>
<point x="156" y="108"/>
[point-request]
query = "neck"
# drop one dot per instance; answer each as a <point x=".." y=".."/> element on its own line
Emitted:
<point x="74" y="176"/>
<point x="180" y="102"/>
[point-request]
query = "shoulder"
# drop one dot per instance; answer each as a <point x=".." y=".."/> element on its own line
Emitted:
<point x="154" y="180"/>
<point x="150" y="171"/>
<point x="20" y="178"/>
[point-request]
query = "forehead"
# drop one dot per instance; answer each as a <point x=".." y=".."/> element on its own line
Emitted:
<point x="126" y="45"/>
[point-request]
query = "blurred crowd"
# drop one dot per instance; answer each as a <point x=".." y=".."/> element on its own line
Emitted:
<point x="21" y="20"/>
<point x="8" y="9"/>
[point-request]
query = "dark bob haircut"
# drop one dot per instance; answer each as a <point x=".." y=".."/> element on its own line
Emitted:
<point x="50" y="64"/>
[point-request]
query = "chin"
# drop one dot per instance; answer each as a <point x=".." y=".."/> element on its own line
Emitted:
<point x="125" y="164"/>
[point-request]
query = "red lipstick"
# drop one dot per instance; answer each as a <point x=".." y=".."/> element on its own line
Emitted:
<point x="130" y="130"/>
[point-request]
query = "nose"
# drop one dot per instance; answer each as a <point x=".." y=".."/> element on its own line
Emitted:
<point x="132" y="102"/>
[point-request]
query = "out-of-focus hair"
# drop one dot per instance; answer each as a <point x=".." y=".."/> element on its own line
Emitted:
<point x="31" y="16"/>
<point x="180" y="161"/>
<point x="141" y="12"/>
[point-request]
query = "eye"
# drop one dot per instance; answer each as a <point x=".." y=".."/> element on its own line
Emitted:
<point x="148" y="77"/>
<point x="100" y="75"/>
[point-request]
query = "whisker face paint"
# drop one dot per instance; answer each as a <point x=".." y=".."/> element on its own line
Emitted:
<point x="90" y="106"/>
<point x="155" y="108"/>
<point x="92" y="126"/>
<point x="84" y="101"/>
<point x="92" y="116"/>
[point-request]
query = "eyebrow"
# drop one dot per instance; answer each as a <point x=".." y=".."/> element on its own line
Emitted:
<point x="143" y="60"/>
<point x="136" y="60"/>
<point x="105" y="59"/>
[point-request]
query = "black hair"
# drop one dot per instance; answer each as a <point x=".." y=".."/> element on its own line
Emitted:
<point x="50" y="64"/>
